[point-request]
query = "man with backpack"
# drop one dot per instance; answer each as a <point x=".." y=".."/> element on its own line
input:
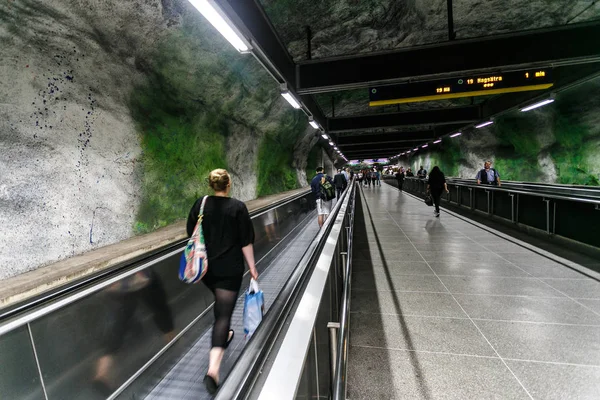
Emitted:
<point x="488" y="175"/>
<point x="322" y="187"/>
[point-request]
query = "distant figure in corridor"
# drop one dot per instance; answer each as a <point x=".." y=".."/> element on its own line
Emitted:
<point x="422" y="173"/>
<point x="323" y="205"/>
<point x="229" y="238"/>
<point x="409" y="173"/>
<point x="340" y="182"/>
<point x="400" y="178"/>
<point x="488" y="175"/>
<point x="435" y="185"/>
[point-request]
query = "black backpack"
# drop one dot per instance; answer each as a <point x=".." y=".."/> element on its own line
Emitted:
<point x="327" y="190"/>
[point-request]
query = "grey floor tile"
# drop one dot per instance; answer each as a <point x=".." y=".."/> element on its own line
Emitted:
<point x="506" y="247"/>
<point x="558" y="382"/>
<point x="414" y="375"/>
<point x="534" y="309"/>
<point x="453" y="247"/>
<point x="550" y="271"/>
<point x="528" y="259"/>
<point x="592" y="304"/>
<point x="585" y="289"/>
<point x="378" y="258"/>
<point x="457" y="256"/>
<point x="543" y="342"/>
<point x="383" y="281"/>
<point x="408" y="303"/>
<point x="477" y="269"/>
<point x="396" y="267"/>
<point x="499" y="286"/>
<point x="448" y="335"/>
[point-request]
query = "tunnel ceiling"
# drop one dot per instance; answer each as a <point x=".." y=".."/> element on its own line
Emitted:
<point x="355" y="44"/>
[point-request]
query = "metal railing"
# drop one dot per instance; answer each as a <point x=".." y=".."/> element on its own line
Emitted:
<point x="571" y="212"/>
<point x="295" y="333"/>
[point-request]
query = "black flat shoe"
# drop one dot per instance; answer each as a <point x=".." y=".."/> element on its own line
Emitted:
<point x="230" y="338"/>
<point x="211" y="384"/>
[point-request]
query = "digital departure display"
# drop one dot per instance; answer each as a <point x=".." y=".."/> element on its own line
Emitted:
<point x="481" y="85"/>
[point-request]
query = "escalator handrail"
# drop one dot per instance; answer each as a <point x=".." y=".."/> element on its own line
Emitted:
<point x="339" y="380"/>
<point x="241" y="378"/>
<point x="47" y="303"/>
<point x="525" y="192"/>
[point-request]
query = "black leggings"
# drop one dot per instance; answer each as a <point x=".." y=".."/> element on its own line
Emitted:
<point x="436" y="196"/>
<point x="223" y="309"/>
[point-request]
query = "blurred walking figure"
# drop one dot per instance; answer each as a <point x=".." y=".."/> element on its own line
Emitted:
<point x="229" y="237"/>
<point x="400" y="178"/>
<point x="340" y="182"/>
<point x="436" y="185"/>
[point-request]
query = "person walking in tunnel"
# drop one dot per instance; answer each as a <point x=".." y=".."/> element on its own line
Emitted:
<point x="436" y="185"/>
<point x="488" y="175"/>
<point x="368" y="177"/>
<point x="229" y="238"/>
<point x="340" y="182"/>
<point x="323" y="203"/>
<point x="409" y="173"/>
<point x="422" y="173"/>
<point x="400" y="178"/>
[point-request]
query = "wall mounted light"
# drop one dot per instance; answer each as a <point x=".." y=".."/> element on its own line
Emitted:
<point x="324" y="136"/>
<point x="416" y="148"/>
<point x="331" y="143"/>
<point x="484" y="124"/>
<point x="438" y="141"/>
<point x="290" y="99"/>
<point x="424" y="146"/>
<point x="219" y="20"/>
<point x="537" y="105"/>
<point x="456" y="134"/>
<point x="313" y="123"/>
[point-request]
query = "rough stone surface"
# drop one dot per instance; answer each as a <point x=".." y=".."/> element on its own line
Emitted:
<point x="69" y="147"/>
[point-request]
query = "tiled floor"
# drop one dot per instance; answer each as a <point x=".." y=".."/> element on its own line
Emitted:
<point x="185" y="379"/>
<point x="442" y="308"/>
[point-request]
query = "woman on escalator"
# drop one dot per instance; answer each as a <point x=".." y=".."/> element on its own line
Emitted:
<point x="229" y="238"/>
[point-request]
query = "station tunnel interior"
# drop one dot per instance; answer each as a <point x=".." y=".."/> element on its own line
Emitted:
<point x="112" y="113"/>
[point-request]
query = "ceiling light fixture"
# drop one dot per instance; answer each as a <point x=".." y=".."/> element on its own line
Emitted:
<point x="484" y="124"/>
<point x="438" y="141"/>
<point x="416" y="148"/>
<point x="324" y="136"/>
<point x="290" y="99"/>
<point x="536" y="105"/>
<point x="456" y="134"/>
<point x="424" y="146"/>
<point x="219" y="20"/>
<point x="313" y="123"/>
<point x="331" y="143"/>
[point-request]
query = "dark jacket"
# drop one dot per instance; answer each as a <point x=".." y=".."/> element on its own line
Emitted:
<point x="436" y="183"/>
<point x="400" y="176"/>
<point x="339" y="181"/>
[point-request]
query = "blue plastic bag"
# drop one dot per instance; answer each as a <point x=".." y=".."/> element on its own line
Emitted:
<point x="254" y="307"/>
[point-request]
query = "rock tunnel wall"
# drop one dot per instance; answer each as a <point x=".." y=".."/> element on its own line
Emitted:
<point x="111" y="115"/>
<point x="557" y="143"/>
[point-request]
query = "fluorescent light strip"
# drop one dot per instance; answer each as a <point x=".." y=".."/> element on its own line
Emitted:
<point x="484" y="124"/>
<point x="438" y="141"/>
<point x="331" y="143"/>
<point x="456" y="134"/>
<point x="314" y="124"/>
<point x="216" y="19"/>
<point x="416" y="148"/>
<point x="536" y="105"/>
<point x="290" y="99"/>
<point x="325" y="137"/>
<point x="424" y="146"/>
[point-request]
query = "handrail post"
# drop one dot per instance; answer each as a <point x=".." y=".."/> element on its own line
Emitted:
<point x="333" y="348"/>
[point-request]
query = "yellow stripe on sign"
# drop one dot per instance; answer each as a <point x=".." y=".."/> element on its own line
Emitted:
<point x="458" y="95"/>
